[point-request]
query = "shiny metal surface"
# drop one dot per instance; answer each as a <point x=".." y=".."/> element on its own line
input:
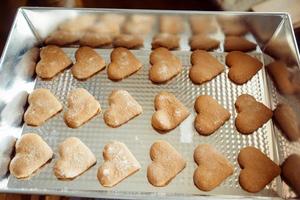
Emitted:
<point x="17" y="79"/>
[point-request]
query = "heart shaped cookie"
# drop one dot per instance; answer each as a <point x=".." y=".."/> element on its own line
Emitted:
<point x="94" y="39"/>
<point x="211" y="115"/>
<point x="88" y="62"/>
<point x="202" y="24"/>
<point x="82" y="107"/>
<point x="74" y="159"/>
<point x="203" y="42"/>
<point x="251" y="114"/>
<point x="257" y="169"/>
<point x="167" y="163"/>
<point x="32" y="152"/>
<point x="237" y="43"/>
<point x="165" y="40"/>
<point x="53" y="60"/>
<point x="242" y="67"/>
<point x="172" y="24"/>
<point x="165" y="65"/>
<point x="204" y="67"/>
<point x="122" y="108"/>
<point x="42" y="106"/>
<point x="290" y="172"/>
<point x="123" y="64"/>
<point x="129" y="41"/>
<point x="170" y="112"/>
<point x="213" y="168"/>
<point x="62" y="38"/>
<point x="119" y="163"/>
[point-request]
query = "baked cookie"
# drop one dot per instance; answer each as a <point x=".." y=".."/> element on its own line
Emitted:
<point x="172" y="24"/>
<point x="62" y="38"/>
<point x="88" y="63"/>
<point x="32" y="152"/>
<point x="165" y="40"/>
<point x="202" y="24"/>
<point x="166" y="164"/>
<point x="242" y="67"/>
<point x="122" y="108"/>
<point x="81" y="107"/>
<point x="123" y="64"/>
<point x="282" y="78"/>
<point x="210" y="115"/>
<point x="42" y="106"/>
<point x="203" y="42"/>
<point x="53" y="60"/>
<point x="74" y="159"/>
<point x="165" y="65"/>
<point x="119" y="163"/>
<point x="105" y="28"/>
<point x="237" y="43"/>
<point x="205" y="67"/>
<point x="251" y="114"/>
<point x="170" y="112"/>
<point x="213" y="168"/>
<point x="257" y="170"/>
<point x="79" y="23"/>
<point x="138" y="24"/>
<point x="93" y="39"/>
<point x="233" y="25"/>
<point x="287" y="120"/>
<point x="128" y="41"/>
<point x="290" y="172"/>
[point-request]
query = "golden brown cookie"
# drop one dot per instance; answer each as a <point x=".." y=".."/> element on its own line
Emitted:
<point x="119" y="163"/>
<point x="233" y="25"/>
<point x="251" y="114"/>
<point x="203" y="42"/>
<point x="204" y="67"/>
<point x="166" y="164"/>
<point x="242" y="66"/>
<point x="165" y="40"/>
<point x="170" y="112"/>
<point x="81" y="107"/>
<point x="165" y="65"/>
<point x="79" y="23"/>
<point x="237" y="43"/>
<point x="123" y="64"/>
<point x="138" y="24"/>
<point x="94" y="39"/>
<point x="42" y="106"/>
<point x="105" y="28"/>
<point x="257" y="170"/>
<point x="128" y="41"/>
<point x="122" y="108"/>
<point x="53" y="60"/>
<point x="287" y="120"/>
<point x="210" y="115"/>
<point x="172" y="24"/>
<point x="282" y="77"/>
<point x="32" y="152"/>
<point x="290" y="172"/>
<point x="202" y="24"/>
<point x="74" y="159"/>
<point x="62" y="38"/>
<point x="213" y="168"/>
<point x="88" y="62"/>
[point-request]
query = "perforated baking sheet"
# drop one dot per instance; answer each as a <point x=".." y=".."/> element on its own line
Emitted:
<point x="139" y="135"/>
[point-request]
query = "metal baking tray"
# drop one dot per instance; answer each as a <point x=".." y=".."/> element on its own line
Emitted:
<point x="17" y="79"/>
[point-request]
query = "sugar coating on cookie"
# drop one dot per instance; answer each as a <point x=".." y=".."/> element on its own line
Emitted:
<point x="166" y="40"/>
<point x="204" y="67"/>
<point x="237" y="43"/>
<point x="251" y="114"/>
<point x="213" y="168"/>
<point x="165" y="65"/>
<point x="32" y="152"/>
<point x="53" y="60"/>
<point x="74" y="159"/>
<point x="42" y="106"/>
<point x="166" y="163"/>
<point x="203" y="42"/>
<point x="170" y="112"/>
<point x="242" y="67"/>
<point x="123" y="64"/>
<point x="257" y="170"/>
<point x="122" y="108"/>
<point x="88" y="62"/>
<point x="129" y="41"/>
<point x="81" y="107"/>
<point x="119" y="163"/>
<point x="210" y="115"/>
